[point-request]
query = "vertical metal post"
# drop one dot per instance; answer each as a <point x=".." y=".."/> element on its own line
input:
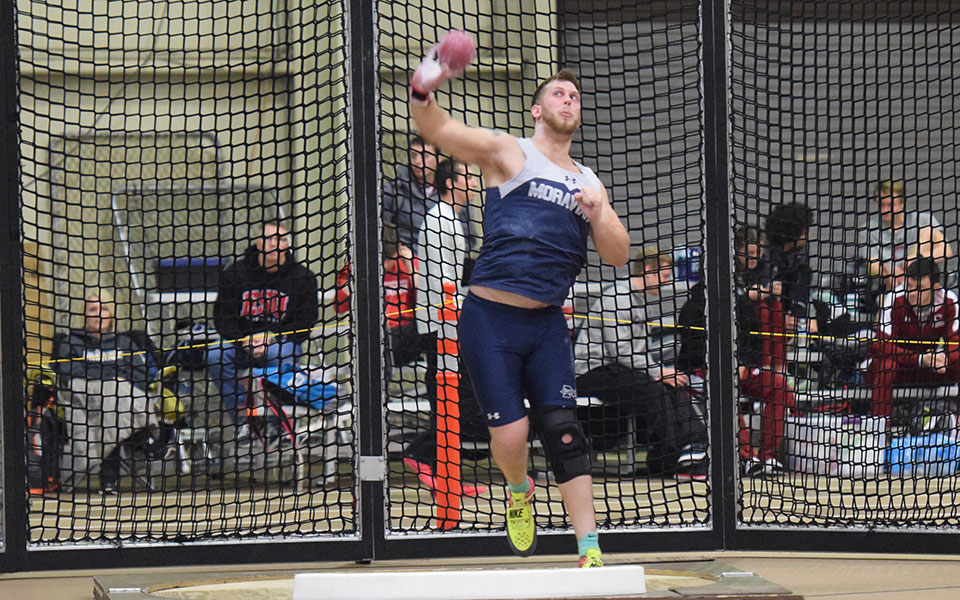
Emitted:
<point x="13" y="513"/>
<point x="718" y="208"/>
<point x="366" y="271"/>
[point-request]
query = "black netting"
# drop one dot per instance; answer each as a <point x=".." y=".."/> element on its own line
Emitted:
<point x="642" y="133"/>
<point x="181" y="384"/>
<point x="643" y="126"/>
<point x="844" y="175"/>
<point x="163" y="145"/>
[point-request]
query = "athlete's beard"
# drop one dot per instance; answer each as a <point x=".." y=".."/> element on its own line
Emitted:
<point x="558" y="125"/>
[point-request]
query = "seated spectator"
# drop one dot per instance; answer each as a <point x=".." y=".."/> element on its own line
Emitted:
<point x="785" y="281"/>
<point x="443" y="248"/>
<point x="266" y="307"/>
<point x="624" y="354"/>
<point x="399" y="299"/>
<point x="894" y="236"/>
<point x="105" y="376"/>
<point x="917" y="339"/>
<point x="756" y="380"/>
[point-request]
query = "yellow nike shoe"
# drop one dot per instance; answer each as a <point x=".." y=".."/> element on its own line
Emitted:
<point x="593" y="558"/>
<point x="521" y="527"/>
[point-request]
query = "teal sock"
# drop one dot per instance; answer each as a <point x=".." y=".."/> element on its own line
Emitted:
<point x="589" y="540"/>
<point x="520" y="488"/>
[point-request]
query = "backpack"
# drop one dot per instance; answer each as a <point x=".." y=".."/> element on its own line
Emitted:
<point x="46" y="434"/>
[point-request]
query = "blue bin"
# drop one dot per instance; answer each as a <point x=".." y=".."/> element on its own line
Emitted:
<point x="934" y="455"/>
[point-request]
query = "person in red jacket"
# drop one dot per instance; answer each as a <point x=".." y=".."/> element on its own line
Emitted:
<point x="400" y="299"/>
<point x="917" y="338"/>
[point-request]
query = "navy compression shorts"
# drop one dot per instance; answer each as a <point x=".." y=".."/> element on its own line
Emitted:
<point x="514" y="353"/>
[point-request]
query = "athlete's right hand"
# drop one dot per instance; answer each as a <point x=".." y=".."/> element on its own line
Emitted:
<point x="429" y="76"/>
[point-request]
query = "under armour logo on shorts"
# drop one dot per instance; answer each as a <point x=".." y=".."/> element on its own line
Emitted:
<point x="568" y="392"/>
<point x="493" y="416"/>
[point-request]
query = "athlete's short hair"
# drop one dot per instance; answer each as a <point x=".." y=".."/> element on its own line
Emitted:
<point x="562" y="75"/>
<point x="923" y="266"/>
<point x="890" y="187"/>
<point x="650" y="258"/>
<point x="446" y="175"/>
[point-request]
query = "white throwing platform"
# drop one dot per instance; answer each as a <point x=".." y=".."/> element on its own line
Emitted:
<point x="473" y="584"/>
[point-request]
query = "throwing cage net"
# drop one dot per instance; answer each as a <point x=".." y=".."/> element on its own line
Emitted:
<point x="642" y="134"/>
<point x="844" y="175"/>
<point x="188" y="288"/>
<point x="185" y="208"/>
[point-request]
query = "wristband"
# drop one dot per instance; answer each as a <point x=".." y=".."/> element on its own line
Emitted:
<point x="418" y="98"/>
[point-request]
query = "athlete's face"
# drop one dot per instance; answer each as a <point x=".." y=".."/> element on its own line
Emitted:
<point x="273" y="246"/>
<point x="559" y="107"/>
<point x="920" y="291"/>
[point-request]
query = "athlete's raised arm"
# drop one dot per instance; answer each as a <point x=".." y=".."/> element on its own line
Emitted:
<point x="488" y="149"/>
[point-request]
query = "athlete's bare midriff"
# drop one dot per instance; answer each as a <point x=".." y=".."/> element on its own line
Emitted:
<point x="508" y="298"/>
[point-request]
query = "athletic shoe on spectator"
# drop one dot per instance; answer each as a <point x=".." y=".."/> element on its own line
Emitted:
<point x="691" y="453"/>
<point x="425" y="475"/>
<point x="772" y="466"/>
<point x="696" y="471"/>
<point x="751" y="467"/>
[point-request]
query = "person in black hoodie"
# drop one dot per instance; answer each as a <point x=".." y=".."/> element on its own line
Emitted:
<point x="266" y="306"/>
<point x="757" y="378"/>
<point x="104" y="375"/>
<point x="787" y="275"/>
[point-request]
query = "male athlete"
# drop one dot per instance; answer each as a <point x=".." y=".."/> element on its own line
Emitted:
<point x="540" y="206"/>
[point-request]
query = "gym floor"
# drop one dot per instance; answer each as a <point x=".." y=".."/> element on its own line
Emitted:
<point x="821" y="577"/>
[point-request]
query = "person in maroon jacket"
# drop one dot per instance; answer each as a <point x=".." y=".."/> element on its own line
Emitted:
<point x="917" y="338"/>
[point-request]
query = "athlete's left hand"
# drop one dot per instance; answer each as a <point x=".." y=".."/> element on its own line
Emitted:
<point x="591" y="202"/>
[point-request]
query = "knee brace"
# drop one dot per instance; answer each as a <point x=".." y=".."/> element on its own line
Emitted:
<point x="564" y="444"/>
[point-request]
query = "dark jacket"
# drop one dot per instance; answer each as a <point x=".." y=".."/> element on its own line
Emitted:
<point x="112" y="356"/>
<point x="789" y="267"/>
<point x="405" y="204"/>
<point x="693" y="335"/>
<point x="252" y="300"/>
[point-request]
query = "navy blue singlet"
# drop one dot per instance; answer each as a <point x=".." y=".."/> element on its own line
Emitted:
<point x="534" y="244"/>
<point x="534" y="232"/>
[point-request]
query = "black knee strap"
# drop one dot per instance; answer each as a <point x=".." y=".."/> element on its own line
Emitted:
<point x="567" y="459"/>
